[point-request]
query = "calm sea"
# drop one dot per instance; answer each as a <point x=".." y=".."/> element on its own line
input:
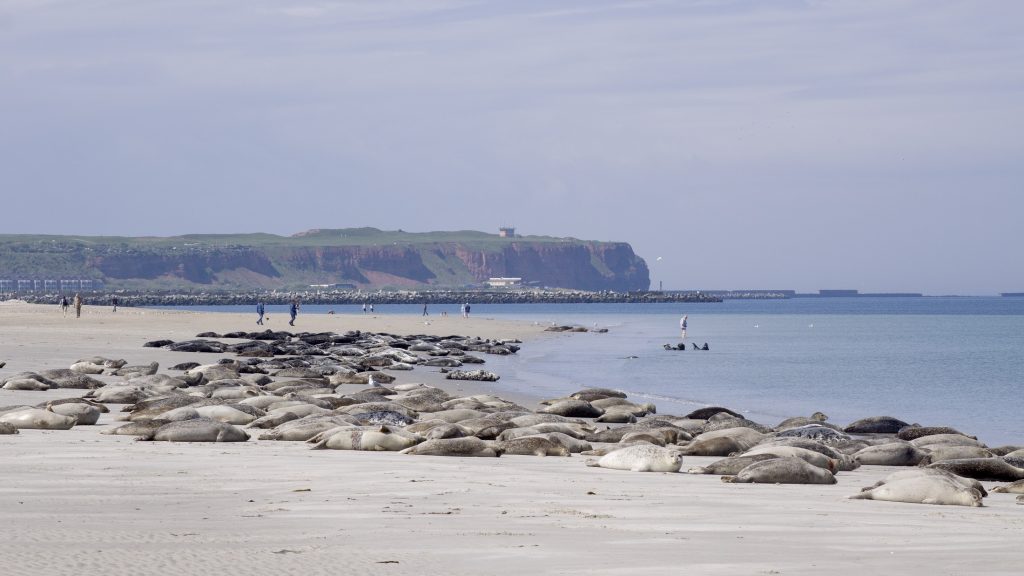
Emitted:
<point x="935" y="361"/>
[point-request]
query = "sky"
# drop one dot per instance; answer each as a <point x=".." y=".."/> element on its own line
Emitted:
<point x="788" y="144"/>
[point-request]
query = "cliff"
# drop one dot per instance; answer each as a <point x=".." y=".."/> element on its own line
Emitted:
<point x="364" y="258"/>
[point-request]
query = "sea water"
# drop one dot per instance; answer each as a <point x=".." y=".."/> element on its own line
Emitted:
<point x="935" y="361"/>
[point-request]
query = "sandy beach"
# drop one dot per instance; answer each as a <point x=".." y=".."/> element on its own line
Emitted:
<point x="78" y="502"/>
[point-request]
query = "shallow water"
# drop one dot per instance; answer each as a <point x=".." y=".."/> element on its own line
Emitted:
<point x="935" y="361"/>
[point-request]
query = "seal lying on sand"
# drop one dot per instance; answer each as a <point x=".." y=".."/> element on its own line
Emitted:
<point x="923" y="489"/>
<point x="36" y="419"/>
<point x="915" y="472"/>
<point x="470" y="446"/>
<point x="892" y="454"/>
<point x="730" y="466"/>
<point x="137" y="428"/>
<point x="380" y="439"/>
<point x="197" y="430"/>
<point x="791" y="470"/>
<point x="641" y="458"/>
<point x="1012" y="488"/>
<point x="533" y="446"/>
<point x="981" y="469"/>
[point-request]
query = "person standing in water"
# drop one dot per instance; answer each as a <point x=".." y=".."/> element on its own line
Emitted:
<point x="682" y="327"/>
<point x="260" y="309"/>
<point x="294" y="311"/>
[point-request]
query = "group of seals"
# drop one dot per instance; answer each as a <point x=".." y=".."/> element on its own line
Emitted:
<point x="294" y="387"/>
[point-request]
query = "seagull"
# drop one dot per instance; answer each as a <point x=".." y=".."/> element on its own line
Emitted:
<point x="372" y="383"/>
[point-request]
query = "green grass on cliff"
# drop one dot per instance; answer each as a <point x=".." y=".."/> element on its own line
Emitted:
<point x="322" y="237"/>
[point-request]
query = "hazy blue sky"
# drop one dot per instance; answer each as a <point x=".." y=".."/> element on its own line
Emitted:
<point x="869" y="144"/>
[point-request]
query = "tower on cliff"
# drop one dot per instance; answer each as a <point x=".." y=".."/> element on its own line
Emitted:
<point x="507" y="232"/>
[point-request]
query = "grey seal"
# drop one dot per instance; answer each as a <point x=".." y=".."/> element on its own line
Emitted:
<point x="981" y="469"/>
<point x="923" y="490"/>
<point x="470" y="446"/>
<point x="641" y="458"/>
<point x="892" y="454"/>
<point x="790" y="470"/>
<point x="36" y="419"/>
<point x="140" y="428"/>
<point x="197" y="430"/>
<point x="876" y="425"/>
<point x="1012" y="488"/>
<point x="572" y="408"/>
<point x="915" y="432"/>
<point x="379" y="439"/>
<point x="532" y="446"/>
<point x="730" y="466"/>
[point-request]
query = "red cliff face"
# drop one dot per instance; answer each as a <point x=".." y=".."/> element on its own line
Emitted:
<point x="590" y="266"/>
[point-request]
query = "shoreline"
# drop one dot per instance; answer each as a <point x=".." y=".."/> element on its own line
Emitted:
<point x="113" y="503"/>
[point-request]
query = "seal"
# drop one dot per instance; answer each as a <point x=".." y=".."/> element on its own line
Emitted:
<point x="876" y="425"/>
<point x="532" y="446"/>
<point x="946" y="439"/>
<point x="36" y="419"/>
<point x="915" y="432"/>
<point x="891" y="454"/>
<point x="304" y="429"/>
<point x="818" y="432"/>
<point x="923" y="490"/>
<point x="229" y="414"/>
<point x="730" y="466"/>
<point x="140" y="428"/>
<point x="789" y="470"/>
<point x="641" y="458"/>
<point x="463" y="447"/>
<point x="1012" y="488"/>
<point x="705" y="413"/>
<point x="717" y="446"/>
<point x="940" y="452"/>
<point x="381" y="439"/>
<point x="197" y="430"/>
<point x="915" y="472"/>
<point x="572" y="408"/>
<point x="811" y="457"/>
<point x="982" y="469"/>
<point x="573" y="445"/>
<point x="82" y="412"/>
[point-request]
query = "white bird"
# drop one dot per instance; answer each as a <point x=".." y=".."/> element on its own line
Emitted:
<point x="658" y="259"/>
<point x="372" y="383"/>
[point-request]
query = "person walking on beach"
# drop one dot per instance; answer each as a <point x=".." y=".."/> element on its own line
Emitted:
<point x="682" y="327"/>
<point x="294" y="311"/>
<point x="364" y="307"/>
<point x="466" y="313"/>
<point x="64" y="305"/>
<point x="78" y="305"/>
<point x="371" y="308"/>
<point x="114" y="302"/>
<point x="260" y="309"/>
<point x="425" y="309"/>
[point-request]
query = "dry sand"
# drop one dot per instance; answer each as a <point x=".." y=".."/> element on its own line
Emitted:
<point x="78" y="502"/>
